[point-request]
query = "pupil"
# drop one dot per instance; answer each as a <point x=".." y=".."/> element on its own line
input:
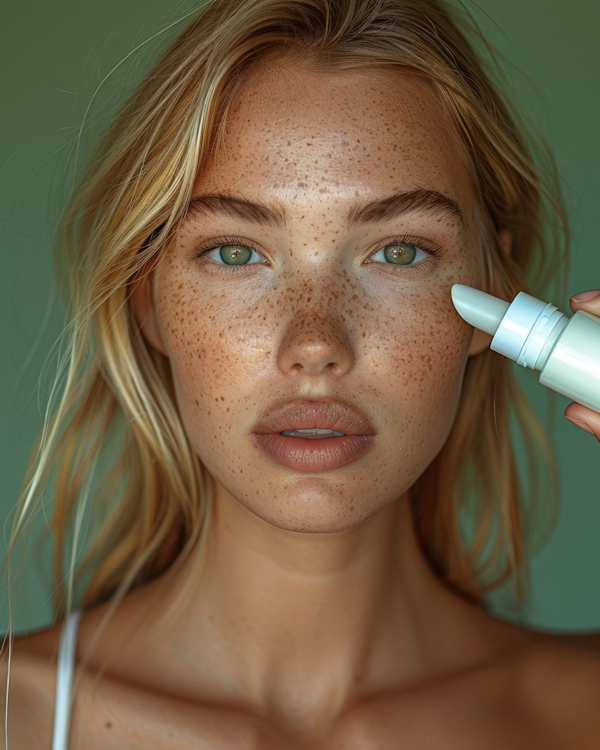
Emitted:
<point x="400" y="254"/>
<point x="235" y="255"/>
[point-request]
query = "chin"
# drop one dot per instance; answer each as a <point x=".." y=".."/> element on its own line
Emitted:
<point x="314" y="505"/>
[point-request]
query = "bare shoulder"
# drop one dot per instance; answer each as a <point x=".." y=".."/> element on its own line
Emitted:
<point x="30" y="682"/>
<point x="560" y="686"/>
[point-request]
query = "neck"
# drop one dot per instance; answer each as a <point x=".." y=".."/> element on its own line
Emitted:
<point x="277" y="616"/>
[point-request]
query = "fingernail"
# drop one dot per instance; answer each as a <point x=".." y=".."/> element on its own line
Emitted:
<point x="585" y="296"/>
<point x="582" y="424"/>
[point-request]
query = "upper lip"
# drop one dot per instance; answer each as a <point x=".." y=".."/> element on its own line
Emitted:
<point x="303" y="414"/>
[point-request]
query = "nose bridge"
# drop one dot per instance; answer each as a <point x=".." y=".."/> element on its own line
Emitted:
<point x="316" y="338"/>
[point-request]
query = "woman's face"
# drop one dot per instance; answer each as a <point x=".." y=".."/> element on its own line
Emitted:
<point x="310" y="289"/>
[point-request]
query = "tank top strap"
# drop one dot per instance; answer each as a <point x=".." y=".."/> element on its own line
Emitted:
<point x="64" y="681"/>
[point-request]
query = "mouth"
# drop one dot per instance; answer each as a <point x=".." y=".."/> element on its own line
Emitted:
<point x="314" y="436"/>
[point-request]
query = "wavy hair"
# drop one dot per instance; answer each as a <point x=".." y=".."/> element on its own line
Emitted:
<point x="113" y="449"/>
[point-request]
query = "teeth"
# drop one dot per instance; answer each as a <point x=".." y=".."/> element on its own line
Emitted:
<point x="313" y="433"/>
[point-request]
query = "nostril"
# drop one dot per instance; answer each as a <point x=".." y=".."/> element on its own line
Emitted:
<point x="315" y="346"/>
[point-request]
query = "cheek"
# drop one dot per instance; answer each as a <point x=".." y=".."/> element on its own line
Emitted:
<point x="417" y="353"/>
<point x="218" y="349"/>
<point x="431" y="352"/>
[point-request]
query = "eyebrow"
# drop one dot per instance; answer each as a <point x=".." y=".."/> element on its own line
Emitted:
<point x="384" y="209"/>
<point x="252" y="212"/>
<point x="371" y="212"/>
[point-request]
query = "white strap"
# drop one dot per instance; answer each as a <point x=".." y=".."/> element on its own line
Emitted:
<point x="64" y="681"/>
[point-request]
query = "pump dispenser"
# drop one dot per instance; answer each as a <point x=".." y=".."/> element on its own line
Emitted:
<point x="537" y="335"/>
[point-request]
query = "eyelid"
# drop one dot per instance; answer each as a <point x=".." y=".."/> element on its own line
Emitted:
<point x="213" y="255"/>
<point x="422" y="244"/>
<point x="216" y="242"/>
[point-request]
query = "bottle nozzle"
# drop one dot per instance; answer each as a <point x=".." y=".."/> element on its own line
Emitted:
<point x="479" y="309"/>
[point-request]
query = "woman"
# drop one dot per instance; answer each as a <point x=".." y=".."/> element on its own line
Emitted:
<point x="275" y="418"/>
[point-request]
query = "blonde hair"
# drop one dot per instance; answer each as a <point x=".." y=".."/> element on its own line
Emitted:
<point x="113" y="442"/>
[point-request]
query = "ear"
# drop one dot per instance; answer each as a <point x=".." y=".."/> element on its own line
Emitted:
<point x="144" y="310"/>
<point x="481" y="340"/>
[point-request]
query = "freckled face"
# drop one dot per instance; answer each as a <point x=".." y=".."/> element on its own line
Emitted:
<point x="320" y="312"/>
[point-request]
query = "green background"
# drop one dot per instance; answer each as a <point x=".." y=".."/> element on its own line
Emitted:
<point x="54" y="54"/>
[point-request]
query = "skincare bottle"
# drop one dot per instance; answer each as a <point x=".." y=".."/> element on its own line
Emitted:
<point x="534" y="334"/>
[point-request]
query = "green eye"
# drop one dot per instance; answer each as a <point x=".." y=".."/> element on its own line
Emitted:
<point x="399" y="254"/>
<point x="235" y="255"/>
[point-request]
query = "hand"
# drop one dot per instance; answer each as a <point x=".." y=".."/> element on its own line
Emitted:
<point x="580" y="415"/>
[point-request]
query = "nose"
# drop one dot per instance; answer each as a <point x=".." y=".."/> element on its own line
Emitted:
<point x="315" y="344"/>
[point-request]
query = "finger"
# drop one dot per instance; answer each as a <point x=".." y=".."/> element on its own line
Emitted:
<point x="588" y="301"/>
<point x="584" y="418"/>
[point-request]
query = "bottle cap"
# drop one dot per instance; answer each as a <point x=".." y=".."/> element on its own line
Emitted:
<point x="524" y="329"/>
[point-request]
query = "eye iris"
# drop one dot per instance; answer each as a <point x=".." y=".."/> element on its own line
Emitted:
<point x="400" y="255"/>
<point x="235" y="255"/>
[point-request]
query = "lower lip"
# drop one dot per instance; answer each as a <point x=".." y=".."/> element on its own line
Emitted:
<point x="324" y="454"/>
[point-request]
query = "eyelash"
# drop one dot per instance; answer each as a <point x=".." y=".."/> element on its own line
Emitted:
<point x="419" y="267"/>
<point x="221" y="242"/>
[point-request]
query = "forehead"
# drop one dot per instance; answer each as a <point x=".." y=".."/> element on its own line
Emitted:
<point x="297" y="135"/>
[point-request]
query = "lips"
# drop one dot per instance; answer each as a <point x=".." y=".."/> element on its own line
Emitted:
<point x="314" y="435"/>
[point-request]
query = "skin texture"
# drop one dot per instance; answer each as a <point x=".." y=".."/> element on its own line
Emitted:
<point x="317" y="321"/>
<point x="317" y="621"/>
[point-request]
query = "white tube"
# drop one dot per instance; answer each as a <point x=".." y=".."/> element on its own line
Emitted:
<point x="534" y="334"/>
